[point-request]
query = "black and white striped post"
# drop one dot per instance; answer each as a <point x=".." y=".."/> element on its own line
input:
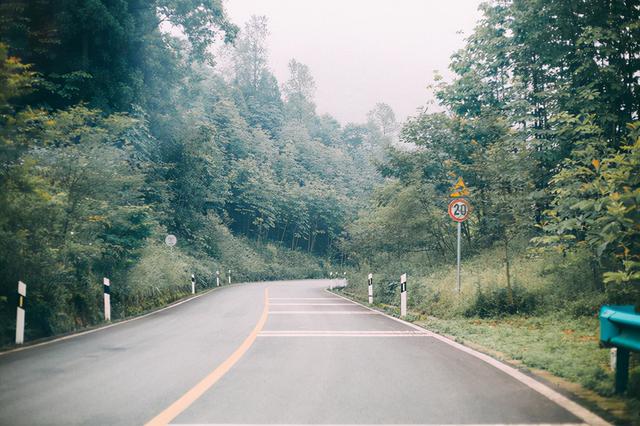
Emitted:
<point x="403" y="295"/>
<point x="370" y="280"/>
<point x="107" y="298"/>
<point x="229" y="275"/>
<point x="193" y="284"/>
<point x="217" y="278"/>
<point x="22" y="294"/>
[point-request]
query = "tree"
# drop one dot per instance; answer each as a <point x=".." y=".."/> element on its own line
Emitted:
<point x="382" y="115"/>
<point x="71" y="213"/>
<point x="259" y="87"/>
<point x="251" y="54"/>
<point x="595" y="205"/>
<point x="300" y="83"/>
<point x="108" y="54"/>
<point x="299" y="90"/>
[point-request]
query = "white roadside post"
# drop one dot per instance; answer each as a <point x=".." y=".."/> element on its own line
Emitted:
<point x="217" y="278"/>
<point x="370" y="280"/>
<point x="403" y="295"/>
<point x="107" y="299"/>
<point x="193" y="284"/>
<point x="22" y="294"/>
<point x="229" y="275"/>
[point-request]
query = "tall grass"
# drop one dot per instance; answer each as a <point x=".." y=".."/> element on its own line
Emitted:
<point x="541" y="284"/>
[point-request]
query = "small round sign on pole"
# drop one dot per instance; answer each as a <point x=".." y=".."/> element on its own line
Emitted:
<point x="459" y="209"/>
<point x="170" y="240"/>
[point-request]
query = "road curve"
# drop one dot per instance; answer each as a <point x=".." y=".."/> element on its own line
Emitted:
<point x="266" y="353"/>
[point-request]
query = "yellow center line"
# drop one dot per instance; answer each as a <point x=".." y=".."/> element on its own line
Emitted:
<point x="205" y="384"/>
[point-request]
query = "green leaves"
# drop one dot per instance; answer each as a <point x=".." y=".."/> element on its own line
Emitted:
<point x="534" y="121"/>
<point x="598" y="202"/>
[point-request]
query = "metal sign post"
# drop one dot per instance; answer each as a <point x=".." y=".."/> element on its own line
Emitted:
<point x="458" y="256"/>
<point x="459" y="209"/>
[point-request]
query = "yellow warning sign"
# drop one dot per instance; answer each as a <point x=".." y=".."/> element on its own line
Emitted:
<point x="460" y="189"/>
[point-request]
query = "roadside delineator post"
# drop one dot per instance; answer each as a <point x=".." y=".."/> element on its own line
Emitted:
<point x="613" y="358"/>
<point x="193" y="284"/>
<point x="107" y="298"/>
<point x="403" y="295"/>
<point x="22" y="294"/>
<point x="217" y="278"/>
<point x="229" y="275"/>
<point x="370" y="280"/>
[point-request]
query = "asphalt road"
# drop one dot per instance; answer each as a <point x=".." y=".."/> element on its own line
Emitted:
<point x="268" y="353"/>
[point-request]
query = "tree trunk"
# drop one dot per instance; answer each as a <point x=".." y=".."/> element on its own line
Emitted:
<point x="507" y="271"/>
<point x="85" y="52"/>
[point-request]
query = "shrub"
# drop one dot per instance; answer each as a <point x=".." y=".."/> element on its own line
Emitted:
<point x="495" y="302"/>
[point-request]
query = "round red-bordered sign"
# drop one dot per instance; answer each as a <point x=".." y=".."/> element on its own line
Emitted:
<point x="459" y="209"/>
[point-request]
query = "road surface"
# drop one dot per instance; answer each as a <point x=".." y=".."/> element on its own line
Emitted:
<point x="268" y="353"/>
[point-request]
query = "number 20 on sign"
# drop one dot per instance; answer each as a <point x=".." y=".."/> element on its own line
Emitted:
<point x="459" y="209"/>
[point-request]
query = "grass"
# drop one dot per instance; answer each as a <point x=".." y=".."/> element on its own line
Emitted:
<point x="542" y="284"/>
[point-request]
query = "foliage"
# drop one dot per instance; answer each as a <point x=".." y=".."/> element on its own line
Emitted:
<point x="541" y="122"/>
<point x="596" y="204"/>
<point x="112" y="55"/>
<point x="118" y="133"/>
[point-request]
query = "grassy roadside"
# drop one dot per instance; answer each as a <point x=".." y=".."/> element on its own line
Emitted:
<point x="562" y="351"/>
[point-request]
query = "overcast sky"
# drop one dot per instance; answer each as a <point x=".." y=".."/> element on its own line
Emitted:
<point x="363" y="51"/>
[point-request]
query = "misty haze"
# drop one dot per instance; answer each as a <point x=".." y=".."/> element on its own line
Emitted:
<point x="354" y="212"/>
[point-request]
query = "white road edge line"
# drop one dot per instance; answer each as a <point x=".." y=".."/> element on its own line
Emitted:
<point x="574" y="408"/>
<point x="413" y="424"/>
<point x="346" y="331"/>
<point x="104" y="327"/>
<point x="309" y="304"/>
<point x="303" y="298"/>
<point x="321" y="313"/>
<point x="344" y="335"/>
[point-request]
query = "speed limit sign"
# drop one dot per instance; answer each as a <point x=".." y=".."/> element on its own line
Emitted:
<point x="459" y="209"/>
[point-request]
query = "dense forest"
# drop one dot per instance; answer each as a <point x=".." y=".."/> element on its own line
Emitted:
<point x="118" y="128"/>
<point x="541" y="121"/>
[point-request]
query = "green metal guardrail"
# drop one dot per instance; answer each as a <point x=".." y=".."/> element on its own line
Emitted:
<point x="620" y="328"/>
